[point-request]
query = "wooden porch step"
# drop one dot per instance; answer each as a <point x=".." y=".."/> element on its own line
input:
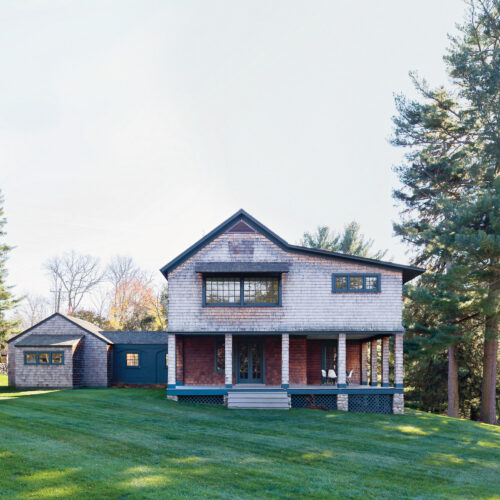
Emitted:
<point x="276" y="400"/>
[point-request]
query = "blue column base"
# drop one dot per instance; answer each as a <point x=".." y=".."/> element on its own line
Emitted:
<point x="385" y="384"/>
<point x="373" y="384"/>
<point x="364" y="382"/>
<point x="398" y="386"/>
<point x="285" y="386"/>
<point x="341" y="386"/>
<point x="170" y="386"/>
<point x="228" y="386"/>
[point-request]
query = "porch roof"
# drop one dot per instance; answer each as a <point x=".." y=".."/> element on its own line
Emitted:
<point x="307" y="333"/>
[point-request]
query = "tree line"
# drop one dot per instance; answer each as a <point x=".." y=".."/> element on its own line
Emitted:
<point x="118" y="296"/>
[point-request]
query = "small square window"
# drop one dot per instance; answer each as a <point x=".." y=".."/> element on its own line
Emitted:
<point x="341" y="283"/>
<point x="132" y="359"/>
<point x="355" y="283"/>
<point x="44" y="358"/>
<point x="57" y="358"/>
<point x="371" y="283"/>
<point x="30" y="358"/>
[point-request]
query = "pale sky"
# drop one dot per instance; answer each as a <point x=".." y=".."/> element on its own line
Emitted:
<point x="135" y="127"/>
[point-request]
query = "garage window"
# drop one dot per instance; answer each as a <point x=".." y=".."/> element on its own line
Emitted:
<point x="132" y="359"/>
<point x="44" y="358"/>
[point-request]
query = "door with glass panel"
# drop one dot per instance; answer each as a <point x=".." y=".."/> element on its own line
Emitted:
<point x="250" y="362"/>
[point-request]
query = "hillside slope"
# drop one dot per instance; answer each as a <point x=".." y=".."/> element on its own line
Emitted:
<point x="133" y="443"/>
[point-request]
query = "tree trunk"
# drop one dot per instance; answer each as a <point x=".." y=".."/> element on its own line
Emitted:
<point x="452" y="382"/>
<point x="488" y="389"/>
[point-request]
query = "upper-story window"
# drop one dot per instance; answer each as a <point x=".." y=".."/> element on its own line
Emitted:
<point x="356" y="283"/>
<point x="242" y="291"/>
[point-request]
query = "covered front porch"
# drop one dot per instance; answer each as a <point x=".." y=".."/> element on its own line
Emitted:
<point x="213" y="368"/>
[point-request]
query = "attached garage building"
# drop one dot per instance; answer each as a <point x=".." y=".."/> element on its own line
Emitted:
<point x="139" y="358"/>
<point x="64" y="352"/>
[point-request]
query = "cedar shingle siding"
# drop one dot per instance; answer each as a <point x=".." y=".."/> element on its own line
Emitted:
<point x="85" y="365"/>
<point x="307" y="298"/>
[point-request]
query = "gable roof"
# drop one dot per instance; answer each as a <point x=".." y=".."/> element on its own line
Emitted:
<point x="409" y="272"/>
<point x="84" y="325"/>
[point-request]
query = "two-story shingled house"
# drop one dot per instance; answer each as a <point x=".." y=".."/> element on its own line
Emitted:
<point x="254" y="322"/>
<point x="257" y="322"/>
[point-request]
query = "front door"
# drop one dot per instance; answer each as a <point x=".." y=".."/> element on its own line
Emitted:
<point x="250" y="362"/>
<point x="162" y="367"/>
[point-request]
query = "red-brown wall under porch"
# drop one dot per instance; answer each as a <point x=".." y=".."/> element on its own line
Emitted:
<point x="298" y="360"/>
<point x="314" y="353"/>
<point x="272" y="356"/>
<point x="199" y="361"/>
<point x="196" y="360"/>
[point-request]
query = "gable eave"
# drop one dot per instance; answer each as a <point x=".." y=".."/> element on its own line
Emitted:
<point x="408" y="272"/>
<point x="48" y="318"/>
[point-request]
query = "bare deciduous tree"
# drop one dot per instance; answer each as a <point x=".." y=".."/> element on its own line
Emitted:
<point x="33" y="309"/>
<point x="73" y="277"/>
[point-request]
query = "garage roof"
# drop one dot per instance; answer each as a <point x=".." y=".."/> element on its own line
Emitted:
<point x="139" y="337"/>
<point x="35" y="340"/>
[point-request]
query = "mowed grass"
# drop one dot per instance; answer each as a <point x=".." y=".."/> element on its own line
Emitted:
<point x="133" y="443"/>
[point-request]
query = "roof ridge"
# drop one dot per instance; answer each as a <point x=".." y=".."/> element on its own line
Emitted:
<point x="408" y="272"/>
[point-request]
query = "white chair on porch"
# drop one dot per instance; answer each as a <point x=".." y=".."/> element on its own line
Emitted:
<point x="349" y="376"/>
<point x="331" y="375"/>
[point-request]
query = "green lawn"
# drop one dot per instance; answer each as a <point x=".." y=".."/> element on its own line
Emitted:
<point x="133" y="443"/>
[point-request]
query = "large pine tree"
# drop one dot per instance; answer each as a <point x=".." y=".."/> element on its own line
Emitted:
<point x="451" y="190"/>
<point x="7" y="301"/>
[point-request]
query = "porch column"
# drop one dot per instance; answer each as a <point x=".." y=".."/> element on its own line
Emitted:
<point x="172" y="358"/>
<point x="364" y="363"/>
<point x="385" y="361"/>
<point x="398" y="399"/>
<point x="374" y="363"/>
<point x="342" y="398"/>
<point x="398" y="360"/>
<point x="228" y="361"/>
<point x="285" y="360"/>
<point x="341" y="362"/>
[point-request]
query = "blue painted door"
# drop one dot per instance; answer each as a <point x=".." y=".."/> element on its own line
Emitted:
<point x="162" y="367"/>
<point x="250" y="362"/>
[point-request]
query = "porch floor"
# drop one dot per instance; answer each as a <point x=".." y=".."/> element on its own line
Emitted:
<point x="302" y="387"/>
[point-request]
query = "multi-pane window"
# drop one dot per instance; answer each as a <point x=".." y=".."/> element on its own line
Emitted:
<point x="261" y="291"/>
<point x="132" y="359"/>
<point x="242" y="291"/>
<point x="341" y="282"/>
<point x="222" y="290"/>
<point x="356" y="283"/>
<point x="30" y="358"/>
<point x="44" y="358"/>
<point x="220" y="355"/>
<point x="371" y="283"/>
<point x="57" y="358"/>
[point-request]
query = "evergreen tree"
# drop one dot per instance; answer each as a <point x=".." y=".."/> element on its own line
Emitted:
<point x="7" y="301"/>
<point x="350" y="241"/>
<point x="450" y="192"/>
